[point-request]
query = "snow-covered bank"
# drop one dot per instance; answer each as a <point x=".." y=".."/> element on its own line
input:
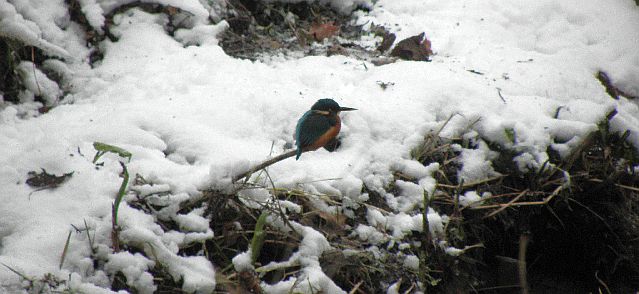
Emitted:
<point x="183" y="111"/>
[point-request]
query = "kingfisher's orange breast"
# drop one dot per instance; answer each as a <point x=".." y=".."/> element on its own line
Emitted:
<point x="328" y="136"/>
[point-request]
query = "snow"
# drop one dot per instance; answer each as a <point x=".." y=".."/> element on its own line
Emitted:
<point x="52" y="21"/>
<point x="193" y="221"/>
<point x="394" y="288"/>
<point x="313" y="242"/>
<point x="242" y="262"/>
<point x="470" y="198"/>
<point x="370" y="234"/>
<point x="313" y="280"/>
<point x="139" y="230"/>
<point x="193" y="117"/>
<point x="94" y="14"/>
<point x="201" y="34"/>
<point x="453" y="251"/>
<point x="38" y="83"/>
<point x="146" y="189"/>
<point x="15" y="26"/>
<point x="411" y="262"/>
<point x="477" y="163"/>
<point x="134" y="267"/>
<point x="193" y="7"/>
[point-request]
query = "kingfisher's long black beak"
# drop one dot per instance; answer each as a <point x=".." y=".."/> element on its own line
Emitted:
<point x="346" y="109"/>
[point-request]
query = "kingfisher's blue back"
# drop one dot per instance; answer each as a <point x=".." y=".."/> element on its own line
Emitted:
<point x="298" y="128"/>
<point x="310" y="127"/>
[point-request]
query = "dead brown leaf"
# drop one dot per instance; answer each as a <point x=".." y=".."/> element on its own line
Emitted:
<point x="337" y="221"/>
<point x="249" y="282"/>
<point x="417" y="48"/>
<point x="44" y="180"/>
<point x="171" y="11"/>
<point x="321" y="31"/>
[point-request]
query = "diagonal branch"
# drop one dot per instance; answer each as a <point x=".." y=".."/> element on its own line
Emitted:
<point x="264" y="164"/>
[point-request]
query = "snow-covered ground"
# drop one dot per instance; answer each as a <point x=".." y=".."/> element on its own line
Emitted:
<point x="192" y="115"/>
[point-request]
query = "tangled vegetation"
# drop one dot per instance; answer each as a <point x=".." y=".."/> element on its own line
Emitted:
<point x="569" y="226"/>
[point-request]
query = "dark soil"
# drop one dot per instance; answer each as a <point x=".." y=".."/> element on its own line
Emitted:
<point x="584" y="239"/>
<point x="575" y="236"/>
<point x="259" y="29"/>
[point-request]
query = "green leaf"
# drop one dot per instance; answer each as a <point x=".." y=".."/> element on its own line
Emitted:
<point x="258" y="237"/>
<point x="103" y="148"/>
<point x="510" y="134"/>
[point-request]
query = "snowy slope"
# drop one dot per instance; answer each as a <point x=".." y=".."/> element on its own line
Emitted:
<point x="191" y="115"/>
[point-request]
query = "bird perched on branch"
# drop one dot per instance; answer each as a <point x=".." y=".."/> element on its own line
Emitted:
<point x="319" y="127"/>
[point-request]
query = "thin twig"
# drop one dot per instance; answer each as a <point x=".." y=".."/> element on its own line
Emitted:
<point x="500" y="96"/>
<point x="497" y="288"/>
<point x="544" y="202"/>
<point x="34" y="70"/>
<point x="86" y="227"/>
<point x="531" y="203"/>
<point x="631" y="188"/>
<point x="276" y="202"/>
<point x="508" y="195"/>
<point x="596" y="215"/>
<point x="436" y="149"/>
<point x="602" y="282"/>
<point x="510" y="203"/>
<point x="456" y="199"/>
<point x="556" y="216"/>
<point x="321" y="180"/>
<point x="444" y="124"/>
<point x="471" y="184"/>
<point x="410" y="290"/>
<point x="270" y="153"/>
<point x="356" y="287"/>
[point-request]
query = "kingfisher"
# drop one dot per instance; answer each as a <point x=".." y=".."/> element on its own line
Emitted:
<point x="319" y="127"/>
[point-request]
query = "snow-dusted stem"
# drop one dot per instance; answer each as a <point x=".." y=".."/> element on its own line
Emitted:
<point x="115" y="229"/>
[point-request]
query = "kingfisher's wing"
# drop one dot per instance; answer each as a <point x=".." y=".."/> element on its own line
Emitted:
<point x="310" y="127"/>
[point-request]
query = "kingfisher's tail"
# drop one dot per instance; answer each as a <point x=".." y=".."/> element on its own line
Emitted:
<point x="299" y="153"/>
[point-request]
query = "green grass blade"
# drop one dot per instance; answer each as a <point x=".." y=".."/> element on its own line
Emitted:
<point x="64" y="251"/>
<point x="17" y="272"/>
<point x="121" y="192"/>
<point x="258" y="237"/>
